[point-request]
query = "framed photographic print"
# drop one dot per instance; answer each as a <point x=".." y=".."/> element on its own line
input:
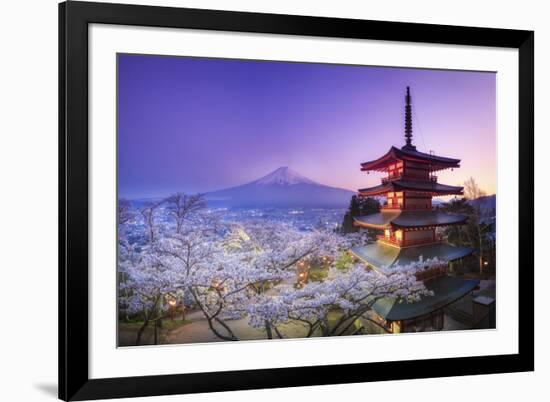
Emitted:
<point x="258" y="201"/>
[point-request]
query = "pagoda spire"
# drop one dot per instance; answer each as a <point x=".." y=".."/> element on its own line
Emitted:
<point x="408" y="122"/>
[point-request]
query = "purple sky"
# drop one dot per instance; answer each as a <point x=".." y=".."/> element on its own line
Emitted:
<point x="196" y="124"/>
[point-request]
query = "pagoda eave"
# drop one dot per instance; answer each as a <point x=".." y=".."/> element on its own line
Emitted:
<point x="365" y="225"/>
<point x="373" y="191"/>
<point x="383" y="256"/>
<point x="446" y="290"/>
<point x="408" y="220"/>
<point x="381" y="164"/>
<point x="379" y="220"/>
<point x="430" y="188"/>
<point x="404" y="154"/>
<point x="421" y="219"/>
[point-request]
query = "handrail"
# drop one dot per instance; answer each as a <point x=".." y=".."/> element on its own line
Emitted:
<point x="409" y="243"/>
<point x="387" y="179"/>
<point x="408" y="208"/>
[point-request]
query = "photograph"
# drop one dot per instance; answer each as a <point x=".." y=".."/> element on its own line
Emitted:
<point x="270" y="199"/>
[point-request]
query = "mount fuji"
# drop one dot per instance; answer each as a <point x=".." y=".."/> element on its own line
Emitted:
<point x="281" y="188"/>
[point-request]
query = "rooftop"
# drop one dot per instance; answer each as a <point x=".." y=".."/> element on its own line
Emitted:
<point x="405" y="153"/>
<point x="409" y="219"/>
<point x="383" y="256"/>
<point x="421" y="186"/>
<point x="447" y="289"/>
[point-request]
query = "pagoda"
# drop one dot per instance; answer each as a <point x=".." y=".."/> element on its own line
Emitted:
<point x="410" y="226"/>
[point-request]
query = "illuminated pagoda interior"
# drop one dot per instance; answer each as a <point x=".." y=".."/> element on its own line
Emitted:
<point x="410" y="232"/>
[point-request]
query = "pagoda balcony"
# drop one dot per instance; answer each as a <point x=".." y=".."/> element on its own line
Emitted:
<point x="388" y="240"/>
<point x="408" y="208"/>
<point x="393" y="241"/>
<point x="409" y="177"/>
<point x="387" y="179"/>
<point x="386" y="206"/>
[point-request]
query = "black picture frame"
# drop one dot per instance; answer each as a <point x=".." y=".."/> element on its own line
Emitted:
<point x="74" y="18"/>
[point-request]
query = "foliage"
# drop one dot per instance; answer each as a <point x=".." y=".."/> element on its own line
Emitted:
<point x="317" y="274"/>
<point x="345" y="261"/>
<point x="478" y="232"/>
<point x="358" y="206"/>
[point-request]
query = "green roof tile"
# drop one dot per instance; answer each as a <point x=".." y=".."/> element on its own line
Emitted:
<point x="447" y="289"/>
<point x="383" y="256"/>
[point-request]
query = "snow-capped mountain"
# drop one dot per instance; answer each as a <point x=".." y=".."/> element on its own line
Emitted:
<point x="281" y="188"/>
<point x="284" y="176"/>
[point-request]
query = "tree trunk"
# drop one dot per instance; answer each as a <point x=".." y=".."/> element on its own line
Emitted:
<point x="268" y="330"/>
<point x="140" y="331"/>
<point x="218" y="334"/>
<point x="155" y="333"/>
<point x="324" y="328"/>
<point x="480" y="252"/>
<point x="278" y="333"/>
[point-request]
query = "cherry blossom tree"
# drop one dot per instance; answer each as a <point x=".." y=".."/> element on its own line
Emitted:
<point x="145" y="280"/>
<point x="351" y="292"/>
<point x="234" y="270"/>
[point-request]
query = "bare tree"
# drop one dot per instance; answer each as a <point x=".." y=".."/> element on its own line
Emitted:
<point x="124" y="211"/>
<point x="181" y="205"/>
<point x="473" y="192"/>
<point x="148" y="214"/>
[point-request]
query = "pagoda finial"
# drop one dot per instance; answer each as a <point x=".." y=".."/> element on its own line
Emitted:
<point x="408" y="121"/>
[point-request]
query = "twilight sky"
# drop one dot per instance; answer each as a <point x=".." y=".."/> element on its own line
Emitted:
<point x="197" y="125"/>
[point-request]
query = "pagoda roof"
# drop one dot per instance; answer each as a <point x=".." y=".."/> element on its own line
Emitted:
<point x="408" y="219"/>
<point x="378" y="220"/>
<point x="409" y="153"/>
<point x="447" y="289"/>
<point x="421" y="186"/>
<point x="383" y="256"/>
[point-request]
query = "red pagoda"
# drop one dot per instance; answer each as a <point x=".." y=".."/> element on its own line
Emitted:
<point x="410" y="232"/>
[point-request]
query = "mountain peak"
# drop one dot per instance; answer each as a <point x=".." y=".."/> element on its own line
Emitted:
<point x="282" y="188"/>
<point x="284" y="176"/>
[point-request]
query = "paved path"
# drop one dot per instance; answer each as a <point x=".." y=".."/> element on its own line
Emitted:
<point x="198" y="331"/>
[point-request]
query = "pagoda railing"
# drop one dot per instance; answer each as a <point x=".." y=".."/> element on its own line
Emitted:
<point x="389" y="239"/>
<point x="418" y="242"/>
<point x="408" y="208"/>
<point x="387" y="179"/>
<point x="392" y="240"/>
<point x="386" y="206"/>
